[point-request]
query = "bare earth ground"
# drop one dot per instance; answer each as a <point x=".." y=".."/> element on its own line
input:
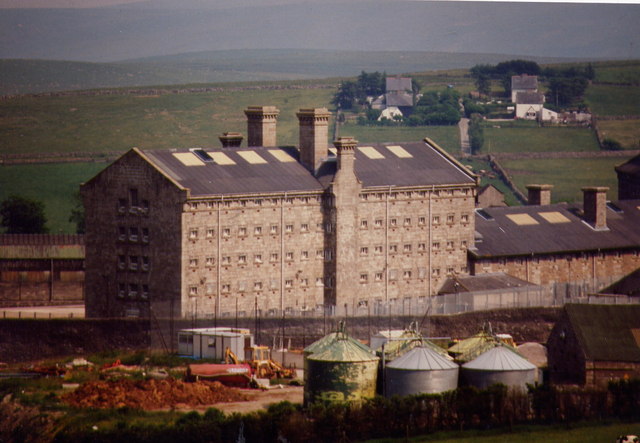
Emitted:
<point x="258" y="400"/>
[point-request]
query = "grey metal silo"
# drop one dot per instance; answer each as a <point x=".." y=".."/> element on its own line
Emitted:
<point x="422" y="370"/>
<point x="499" y="365"/>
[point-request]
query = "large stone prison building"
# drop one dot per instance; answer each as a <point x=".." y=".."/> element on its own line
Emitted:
<point x="236" y="230"/>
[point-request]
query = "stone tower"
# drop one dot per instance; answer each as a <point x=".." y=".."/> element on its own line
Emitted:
<point x="314" y="134"/>
<point x="261" y="125"/>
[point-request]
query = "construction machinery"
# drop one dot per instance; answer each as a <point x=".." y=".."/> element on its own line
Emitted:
<point x="262" y="365"/>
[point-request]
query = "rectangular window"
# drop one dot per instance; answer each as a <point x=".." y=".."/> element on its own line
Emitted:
<point x="226" y="288"/>
<point x="211" y="233"/>
<point x="378" y="276"/>
<point x="422" y="273"/>
<point x="393" y="274"/>
<point x="273" y="229"/>
<point x="304" y="255"/>
<point x="407" y="221"/>
<point x="273" y="283"/>
<point x="257" y="286"/>
<point x="145" y="292"/>
<point x="133" y="263"/>
<point x="133" y="197"/>
<point x="449" y="244"/>
<point x="435" y="272"/>
<point x="435" y="245"/>
<point x="363" y="224"/>
<point x="422" y="221"/>
<point x="122" y="233"/>
<point x="422" y="247"/>
<point x="242" y="286"/>
<point x="145" y="235"/>
<point x="451" y="218"/>
<point x="288" y="229"/>
<point x="378" y="223"/>
<point x="463" y="244"/>
<point x="407" y="248"/>
<point x="210" y="261"/>
<point x="226" y="260"/>
<point x="289" y="256"/>
<point x="122" y="205"/>
<point x="122" y="290"/>
<point x="242" y="259"/>
<point x="288" y="283"/>
<point x="379" y="249"/>
<point x="304" y="282"/>
<point x="436" y="220"/>
<point x="304" y="227"/>
<point x="133" y="235"/>
<point x="406" y="275"/>
<point x="393" y="249"/>
<point x="257" y="230"/>
<point x="364" y="250"/>
<point x="257" y="258"/>
<point x="328" y="255"/>
<point x="364" y="278"/>
<point x="328" y="227"/>
<point x="464" y="218"/>
<point x="319" y="253"/>
<point x="393" y="222"/>
<point x="273" y="257"/>
<point x="450" y="271"/>
<point x="226" y="232"/>
<point x="133" y="290"/>
<point x="122" y="262"/>
<point x="319" y="282"/>
<point x="242" y="231"/>
<point x="145" y="263"/>
<point x="193" y="262"/>
<point x="193" y="234"/>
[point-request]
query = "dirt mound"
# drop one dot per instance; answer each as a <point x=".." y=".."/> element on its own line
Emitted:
<point x="150" y="394"/>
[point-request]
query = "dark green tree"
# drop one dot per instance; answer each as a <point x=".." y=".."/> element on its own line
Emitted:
<point x="476" y="133"/>
<point x="346" y="95"/>
<point x="21" y="215"/>
<point x="483" y="83"/>
<point x="565" y="91"/>
<point x="77" y="214"/>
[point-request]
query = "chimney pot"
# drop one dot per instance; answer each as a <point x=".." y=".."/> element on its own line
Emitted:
<point x="231" y="139"/>
<point x="539" y="195"/>
<point x="595" y="206"/>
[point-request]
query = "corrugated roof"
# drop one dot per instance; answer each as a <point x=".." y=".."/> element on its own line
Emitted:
<point x="499" y="358"/>
<point x="606" y="332"/>
<point x="524" y="81"/>
<point x="501" y="236"/>
<point x="422" y="358"/>
<point x="482" y="282"/>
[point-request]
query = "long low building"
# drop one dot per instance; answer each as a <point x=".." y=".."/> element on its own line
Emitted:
<point x="264" y="229"/>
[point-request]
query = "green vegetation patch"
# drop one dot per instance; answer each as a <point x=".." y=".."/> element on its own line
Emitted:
<point x="625" y="132"/>
<point x="56" y="185"/>
<point x="568" y="175"/>
<point x="499" y="137"/>
<point x="447" y="137"/>
<point x="119" y="122"/>
<point x="487" y="177"/>
<point x="613" y="100"/>
<point x="618" y="72"/>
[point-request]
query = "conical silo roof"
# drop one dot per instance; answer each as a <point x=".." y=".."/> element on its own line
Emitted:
<point x="422" y="358"/>
<point x="326" y="341"/>
<point x="499" y="358"/>
<point x="343" y="349"/>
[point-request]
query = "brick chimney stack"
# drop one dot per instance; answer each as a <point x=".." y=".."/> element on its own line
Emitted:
<point x="346" y="147"/>
<point x="539" y="195"/>
<point x="314" y="135"/>
<point x="595" y="206"/>
<point x="231" y="139"/>
<point x="261" y="125"/>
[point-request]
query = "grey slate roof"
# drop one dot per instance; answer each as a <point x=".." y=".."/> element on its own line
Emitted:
<point x="398" y="84"/>
<point x="631" y="167"/>
<point x="606" y="332"/>
<point x="482" y="282"/>
<point x="529" y="98"/>
<point x="398" y="99"/>
<point x="524" y="82"/>
<point x="242" y="177"/>
<point x="501" y="236"/>
<point x="427" y="166"/>
<point x="424" y="165"/>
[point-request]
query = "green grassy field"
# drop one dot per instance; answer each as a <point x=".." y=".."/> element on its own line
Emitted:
<point x="626" y="132"/>
<point x="53" y="184"/>
<point x="576" y="433"/>
<point x="446" y="136"/>
<point x="498" y="138"/>
<point x="613" y="100"/>
<point x="567" y="175"/>
<point x="621" y="71"/>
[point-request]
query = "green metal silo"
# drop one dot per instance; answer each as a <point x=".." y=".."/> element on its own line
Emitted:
<point x="343" y="371"/>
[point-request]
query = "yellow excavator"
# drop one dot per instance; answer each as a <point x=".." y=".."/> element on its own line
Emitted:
<point x="261" y="363"/>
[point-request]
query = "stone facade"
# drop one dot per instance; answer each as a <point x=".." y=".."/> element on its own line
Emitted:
<point x="153" y="245"/>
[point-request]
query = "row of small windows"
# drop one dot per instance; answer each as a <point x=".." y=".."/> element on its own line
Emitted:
<point x="407" y="274"/>
<point x="253" y="202"/>
<point x="408" y="221"/>
<point x="408" y="248"/>
<point x="133" y="263"/>
<point x="133" y="234"/>
<point x="243" y="259"/>
<point x="414" y="194"/>
<point x="259" y="286"/>
<point x="243" y="231"/>
<point x="133" y="291"/>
